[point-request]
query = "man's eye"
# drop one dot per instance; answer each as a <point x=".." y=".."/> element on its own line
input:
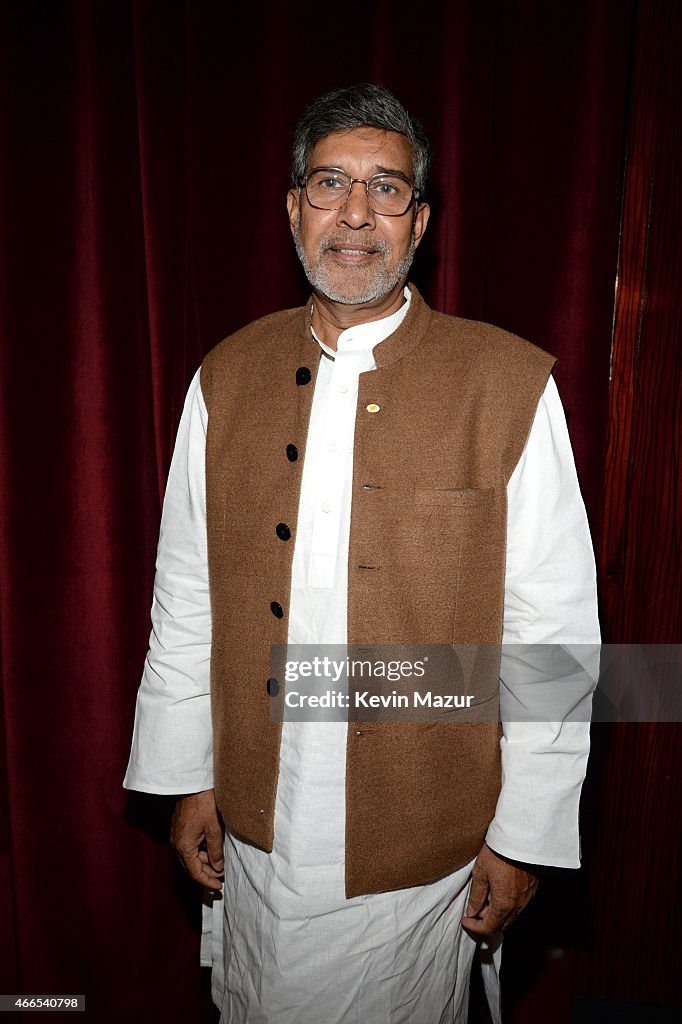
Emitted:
<point x="330" y="185"/>
<point x="385" y="188"/>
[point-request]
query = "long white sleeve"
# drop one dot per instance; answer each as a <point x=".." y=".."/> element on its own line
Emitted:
<point x="172" y="747"/>
<point x="550" y="598"/>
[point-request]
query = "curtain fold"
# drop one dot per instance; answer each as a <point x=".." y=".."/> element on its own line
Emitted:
<point x="143" y="172"/>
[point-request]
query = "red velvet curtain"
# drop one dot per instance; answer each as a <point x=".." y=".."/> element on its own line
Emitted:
<point x="143" y="167"/>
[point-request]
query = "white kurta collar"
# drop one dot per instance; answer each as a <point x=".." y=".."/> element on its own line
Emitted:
<point x="364" y="337"/>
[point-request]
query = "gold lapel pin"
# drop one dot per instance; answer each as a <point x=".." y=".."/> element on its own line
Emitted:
<point x="373" y="408"/>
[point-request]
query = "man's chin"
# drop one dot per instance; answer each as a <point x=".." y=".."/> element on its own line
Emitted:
<point x="348" y="294"/>
<point x="344" y="299"/>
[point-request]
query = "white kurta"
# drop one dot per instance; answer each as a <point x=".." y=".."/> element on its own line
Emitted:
<point x="295" y="949"/>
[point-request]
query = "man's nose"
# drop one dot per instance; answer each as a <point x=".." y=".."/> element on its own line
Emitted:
<point x="356" y="212"/>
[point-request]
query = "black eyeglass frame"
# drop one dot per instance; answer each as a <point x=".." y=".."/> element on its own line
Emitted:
<point x="416" y="192"/>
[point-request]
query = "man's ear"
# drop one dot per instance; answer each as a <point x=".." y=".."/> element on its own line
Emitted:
<point x="293" y="207"/>
<point x="421" y="219"/>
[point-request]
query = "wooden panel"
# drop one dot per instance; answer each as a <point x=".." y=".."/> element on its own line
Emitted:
<point x="633" y="939"/>
<point x="642" y="536"/>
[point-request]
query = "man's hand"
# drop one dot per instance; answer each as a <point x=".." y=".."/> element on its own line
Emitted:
<point x="500" y="889"/>
<point x="197" y="836"/>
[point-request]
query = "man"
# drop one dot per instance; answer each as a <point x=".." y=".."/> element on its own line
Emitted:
<point x="363" y="470"/>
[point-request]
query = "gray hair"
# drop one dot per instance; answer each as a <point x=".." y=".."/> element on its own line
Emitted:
<point x="358" y="106"/>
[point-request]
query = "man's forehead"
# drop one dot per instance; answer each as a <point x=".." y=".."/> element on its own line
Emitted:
<point x="374" y="149"/>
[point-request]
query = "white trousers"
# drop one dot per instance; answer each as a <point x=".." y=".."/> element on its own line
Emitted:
<point x="287" y="947"/>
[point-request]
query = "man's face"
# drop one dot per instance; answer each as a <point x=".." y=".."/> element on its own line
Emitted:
<point x="353" y="255"/>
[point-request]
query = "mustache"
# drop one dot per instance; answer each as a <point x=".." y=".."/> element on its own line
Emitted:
<point x="354" y="242"/>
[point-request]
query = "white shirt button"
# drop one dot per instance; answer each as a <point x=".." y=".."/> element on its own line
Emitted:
<point x="332" y="446"/>
<point x="343" y="388"/>
<point x="326" y="506"/>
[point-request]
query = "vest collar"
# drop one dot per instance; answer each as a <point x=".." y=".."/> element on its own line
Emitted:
<point x="397" y="345"/>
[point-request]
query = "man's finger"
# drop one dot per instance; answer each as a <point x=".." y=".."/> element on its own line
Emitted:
<point x="214" y="847"/>
<point x="197" y="867"/>
<point x="478" y="895"/>
<point x="492" y="920"/>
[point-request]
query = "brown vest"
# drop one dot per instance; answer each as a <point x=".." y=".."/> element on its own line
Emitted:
<point x="426" y="565"/>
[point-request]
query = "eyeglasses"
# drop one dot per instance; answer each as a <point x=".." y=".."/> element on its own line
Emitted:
<point x="328" y="188"/>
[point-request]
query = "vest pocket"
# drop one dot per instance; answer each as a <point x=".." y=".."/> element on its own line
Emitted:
<point x="453" y="498"/>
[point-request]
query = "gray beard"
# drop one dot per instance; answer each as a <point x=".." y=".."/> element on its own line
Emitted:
<point x="382" y="282"/>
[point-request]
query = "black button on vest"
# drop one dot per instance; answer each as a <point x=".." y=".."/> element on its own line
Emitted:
<point x="292" y="452"/>
<point x="303" y="375"/>
<point x="276" y="609"/>
<point x="283" y="531"/>
<point x="272" y="686"/>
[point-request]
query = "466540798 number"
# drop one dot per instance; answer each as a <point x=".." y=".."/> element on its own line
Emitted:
<point x="41" y="1002"/>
